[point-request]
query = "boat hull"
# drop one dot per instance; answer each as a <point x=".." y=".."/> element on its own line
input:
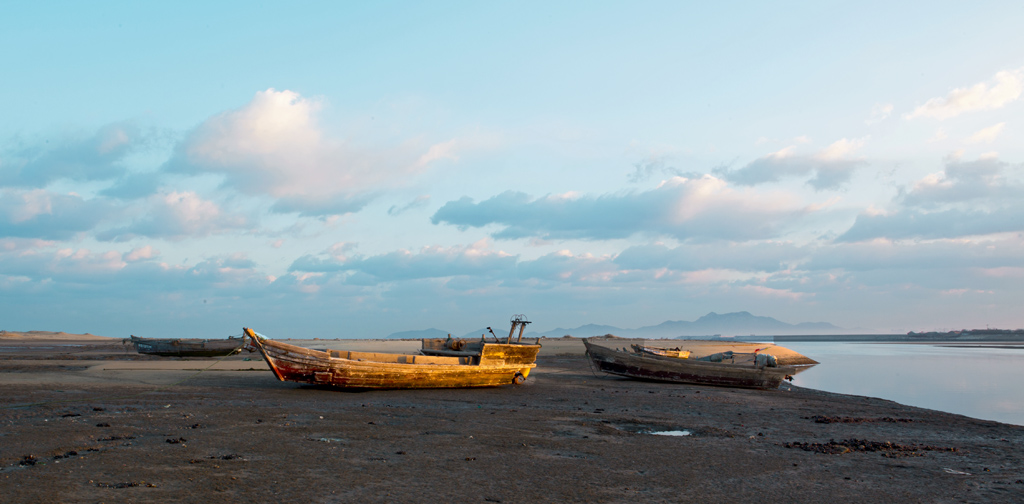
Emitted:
<point x="675" y="370"/>
<point x="496" y="365"/>
<point x="184" y="347"/>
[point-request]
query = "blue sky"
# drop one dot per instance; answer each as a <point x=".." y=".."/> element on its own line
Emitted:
<point x="356" y="169"/>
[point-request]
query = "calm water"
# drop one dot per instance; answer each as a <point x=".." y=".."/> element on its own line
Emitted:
<point x="983" y="383"/>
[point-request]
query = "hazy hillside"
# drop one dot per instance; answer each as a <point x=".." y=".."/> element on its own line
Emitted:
<point x="727" y="324"/>
<point x="421" y="334"/>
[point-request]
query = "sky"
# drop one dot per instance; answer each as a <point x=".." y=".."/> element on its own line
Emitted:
<point x="354" y="169"/>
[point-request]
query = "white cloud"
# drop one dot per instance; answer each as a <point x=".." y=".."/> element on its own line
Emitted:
<point x="478" y="259"/>
<point x="38" y="213"/>
<point x="987" y="135"/>
<point x="142" y="254"/>
<point x="681" y="207"/>
<point x="76" y="157"/>
<point x="841" y="148"/>
<point x="1003" y="88"/>
<point x="981" y="182"/>
<point x="832" y="166"/>
<point x="33" y="203"/>
<point x="444" y="150"/>
<point x="275" y="146"/>
<point x="969" y="198"/>
<point x="176" y="216"/>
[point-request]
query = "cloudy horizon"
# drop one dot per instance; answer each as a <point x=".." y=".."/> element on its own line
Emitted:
<point x="357" y="170"/>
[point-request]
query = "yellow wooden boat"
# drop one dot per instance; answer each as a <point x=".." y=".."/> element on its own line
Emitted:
<point x="486" y="364"/>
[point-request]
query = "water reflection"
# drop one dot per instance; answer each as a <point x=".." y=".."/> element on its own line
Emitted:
<point x="671" y="433"/>
<point x="976" y="382"/>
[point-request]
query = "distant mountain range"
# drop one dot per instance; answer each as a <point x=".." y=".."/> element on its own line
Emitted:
<point x="712" y="324"/>
<point x="422" y="334"/>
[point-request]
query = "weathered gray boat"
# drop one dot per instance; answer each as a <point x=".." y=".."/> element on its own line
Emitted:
<point x="187" y="347"/>
<point x="765" y="368"/>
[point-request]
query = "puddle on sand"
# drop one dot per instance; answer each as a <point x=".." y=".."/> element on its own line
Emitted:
<point x="652" y="429"/>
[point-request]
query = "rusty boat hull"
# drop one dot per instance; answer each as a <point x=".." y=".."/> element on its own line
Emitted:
<point x="187" y="347"/>
<point x="496" y="364"/>
<point x="649" y="366"/>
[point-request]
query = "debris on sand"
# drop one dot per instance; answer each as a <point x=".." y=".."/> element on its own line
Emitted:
<point x="888" y="448"/>
<point x="127" y="484"/>
<point x="838" y="419"/>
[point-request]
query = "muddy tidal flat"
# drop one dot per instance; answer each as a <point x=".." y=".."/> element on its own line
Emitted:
<point x="90" y="420"/>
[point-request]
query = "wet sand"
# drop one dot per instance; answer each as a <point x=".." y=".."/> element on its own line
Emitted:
<point x="89" y="420"/>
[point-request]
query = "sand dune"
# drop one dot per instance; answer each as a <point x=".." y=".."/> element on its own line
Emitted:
<point x="51" y="336"/>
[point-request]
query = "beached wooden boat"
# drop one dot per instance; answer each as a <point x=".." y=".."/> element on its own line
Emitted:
<point x="762" y="369"/>
<point x="187" y="347"/>
<point x="484" y="365"/>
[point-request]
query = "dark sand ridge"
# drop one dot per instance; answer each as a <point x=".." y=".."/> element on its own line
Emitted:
<point x="109" y="425"/>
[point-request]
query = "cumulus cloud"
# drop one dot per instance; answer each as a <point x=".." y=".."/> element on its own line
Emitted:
<point x="443" y="150"/>
<point x="132" y="274"/>
<point x="987" y="135"/>
<point x="982" y="182"/>
<point x="683" y="208"/>
<point x="967" y="198"/>
<point x="176" y="216"/>
<point x="226" y="271"/>
<point x="477" y="259"/>
<point x="72" y="157"/>
<point x="143" y="253"/>
<point x="950" y="223"/>
<point x="38" y="213"/>
<point x="476" y="265"/>
<point x="832" y="166"/>
<point x="1003" y="88"/>
<point x="275" y="146"/>
<point x="60" y="264"/>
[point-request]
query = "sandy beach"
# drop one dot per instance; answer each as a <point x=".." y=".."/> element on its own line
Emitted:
<point x="87" y="419"/>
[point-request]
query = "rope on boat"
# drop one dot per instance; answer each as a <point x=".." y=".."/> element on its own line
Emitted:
<point x="128" y="396"/>
<point x="590" y="362"/>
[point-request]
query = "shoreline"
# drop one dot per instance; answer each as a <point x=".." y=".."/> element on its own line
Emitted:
<point x="113" y="425"/>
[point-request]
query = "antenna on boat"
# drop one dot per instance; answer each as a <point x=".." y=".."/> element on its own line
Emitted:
<point x="518" y="319"/>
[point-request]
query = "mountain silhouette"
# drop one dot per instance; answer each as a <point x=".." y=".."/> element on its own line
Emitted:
<point x="725" y="324"/>
<point x="728" y="324"/>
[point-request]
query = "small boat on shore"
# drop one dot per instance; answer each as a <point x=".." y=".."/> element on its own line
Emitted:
<point x="699" y="362"/>
<point x="442" y="363"/>
<point x="187" y="347"/>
